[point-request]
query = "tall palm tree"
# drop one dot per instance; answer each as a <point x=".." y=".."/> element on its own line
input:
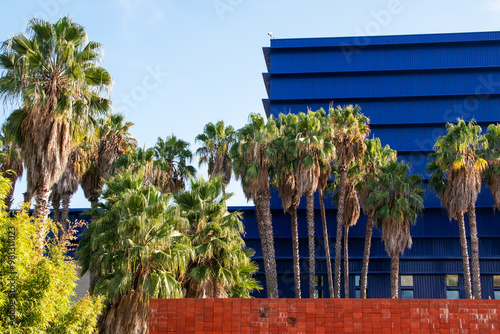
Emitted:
<point x="492" y="173"/>
<point x="251" y="164"/>
<point x="11" y="164"/>
<point x="314" y="151"/>
<point x="113" y="140"/>
<point x="221" y="262"/>
<point x="351" y="128"/>
<point x="135" y="250"/>
<point x="456" y="177"/>
<point x="397" y="197"/>
<point x="286" y="157"/>
<point x="52" y="74"/>
<point x="172" y="155"/>
<point x="217" y="140"/>
<point x="375" y="157"/>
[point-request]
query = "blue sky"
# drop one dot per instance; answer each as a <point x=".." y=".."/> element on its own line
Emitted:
<point x="178" y="64"/>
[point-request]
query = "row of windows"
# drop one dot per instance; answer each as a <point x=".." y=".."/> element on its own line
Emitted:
<point x="406" y="282"/>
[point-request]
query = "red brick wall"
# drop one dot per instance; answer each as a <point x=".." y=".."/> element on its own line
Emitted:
<point x="324" y="316"/>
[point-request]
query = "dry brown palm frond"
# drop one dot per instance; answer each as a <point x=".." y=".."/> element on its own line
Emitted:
<point x="351" y="205"/>
<point x="495" y="189"/>
<point x="288" y="190"/>
<point x="307" y="178"/>
<point x="462" y="189"/>
<point x="45" y="149"/>
<point x="324" y="174"/>
<point x="396" y="236"/>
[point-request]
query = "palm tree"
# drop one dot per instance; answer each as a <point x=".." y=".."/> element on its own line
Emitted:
<point x="172" y="155"/>
<point x="251" y="164"/>
<point x="52" y="73"/>
<point x="113" y="141"/>
<point x="217" y="140"/>
<point x="397" y="198"/>
<point x="135" y="250"/>
<point x="11" y="164"/>
<point x="492" y="173"/>
<point x="351" y="128"/>
<point x="456" y="178"/>
<point x="314" y="151"/>
<point x="375" y="157"/>
<point x="286" y="157"/>
<point x="221" y="263"/>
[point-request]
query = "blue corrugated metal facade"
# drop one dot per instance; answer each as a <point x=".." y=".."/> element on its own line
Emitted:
<point x="410" y="87"/>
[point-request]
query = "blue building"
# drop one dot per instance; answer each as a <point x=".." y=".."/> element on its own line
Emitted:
<point x="410" y="87"/>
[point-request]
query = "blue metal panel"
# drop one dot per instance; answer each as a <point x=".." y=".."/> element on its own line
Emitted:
<point x="390" y="58"/>
<point x="381" y="84"/>
<point x="436" y="110"/>
<point x="429" y="286"/>
<point x="385" y="40"/>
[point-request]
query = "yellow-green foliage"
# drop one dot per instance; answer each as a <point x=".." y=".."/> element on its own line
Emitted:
<point x="41" y="285"/>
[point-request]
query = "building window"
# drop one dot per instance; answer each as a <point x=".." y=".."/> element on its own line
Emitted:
<point x="496" y="286"/>
<point x="406" y="286"/>
<point x="319" y="287"/>
<point x="356" y="286"/>
<point x="452" y="287"/>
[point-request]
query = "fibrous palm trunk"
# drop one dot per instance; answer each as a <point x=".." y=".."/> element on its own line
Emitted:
<point x="395" y="276"/>
<point x="41" y="212"/>
<point x="66" y="197"/>
<point x="295" y="245"/>
<point x="327" y="244"/>
<point x="56" y="201"/>
<point x="346" y="261"/>
<point x="128" y="315"/>
<point x="9" y="198"/>
<point x="465" y="256"/>
<point x="310" y="237"/>
<point x="264" y="221"/>
<point x="474" y="246"/>
<point x="366" y="256"/>
<point x="340" y="225"/>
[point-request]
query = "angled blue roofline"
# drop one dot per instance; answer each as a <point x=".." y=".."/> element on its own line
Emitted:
<point x="463" y="37"/>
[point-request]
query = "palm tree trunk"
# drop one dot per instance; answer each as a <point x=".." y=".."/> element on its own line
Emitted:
<point x="327" y="244"/>
<point x="395" y="276"/>
<point x="41" y="212"/>
<point x="128" y="315"/>
<point x="265" y="225"/>
<point x="346" y="261"/>
<point x="66" y="198"/>
<point x="366" y="256"/>
<point x="465" y="256"/>
<point x="9" y="198"/>
<point x="340" y="225"/>
<point x="296" y="255"/>
<point x="312" y="251"/>
<point x="55" y="209"/>
<point x="474" y="249"/>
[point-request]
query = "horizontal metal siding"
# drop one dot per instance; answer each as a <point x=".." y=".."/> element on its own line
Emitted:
<point x="381" y="84"/>
<point x="408" y="110"/>
<point x="385" y="40"/>
<point x="386" y="58"/>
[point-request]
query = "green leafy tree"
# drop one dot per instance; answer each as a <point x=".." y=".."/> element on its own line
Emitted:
<point x="456" y="177"/>
<point x="375" y="157"/>
<point x="217" y="140"/>
<point x="286" y="157"/>
<point x="397" y="198"/>
<point x="11" y="164"/>
<point x="36" y="289"/>
<point x="351" y="128"/>
<point x="135" y="250"/>
<point x="492" y="173"/>
<point x="252" y="162"/>
<point x="221" y="266"/>
<point x="173" y="156"/>
<point x="113" y="140"/>
<point x="52" y="75"/>
<point x="315" y="151"/>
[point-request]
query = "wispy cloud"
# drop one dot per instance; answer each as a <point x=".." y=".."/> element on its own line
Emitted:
<point x="492" y="5"/>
